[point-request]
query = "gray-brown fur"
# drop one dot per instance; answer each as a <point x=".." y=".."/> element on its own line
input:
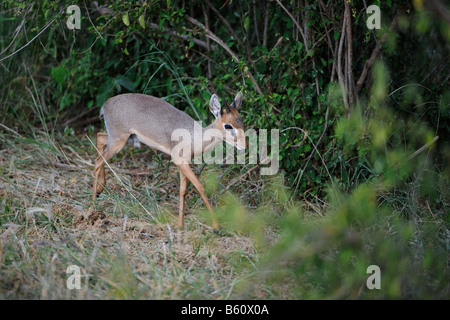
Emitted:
<point x="153" y="121"/>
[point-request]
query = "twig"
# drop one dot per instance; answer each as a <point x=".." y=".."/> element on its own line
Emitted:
<point x="78" y="116"/>
<point x="375" y="52"/>
<point x="266" y="24"/>
<point x="18" y="29"/>
<point x="339" y="65"/>
<point x="330" y="43"/>
<point x="10" y="130"/>
<point x="350" y="86"/>
<point x="198" y="42"/>
<point x="316" y="80"/>
<point x="439" y="10"/>
<point x="89" y="17"/>
<point x="417" y="152"/>
<point x="425" y="146"/>
<point x="35" y="37"/>
<point x="296" y="23"/>
<point x="144" y="172"/>
<point x="325" y="127"/>
<point x="246" y="173"/>
<point x="15" y="36"/>
<point x="226" y="24"/>
<point x="313" y="207"/>
<point x="89" y="120"/>
<point x="220" y="42"/>
<point x="208" y="41"/>
<point x="256" y="23"/>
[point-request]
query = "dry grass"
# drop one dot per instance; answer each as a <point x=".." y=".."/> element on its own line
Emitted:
<point x="126" y="243"/>
<point x="128" y="246"/>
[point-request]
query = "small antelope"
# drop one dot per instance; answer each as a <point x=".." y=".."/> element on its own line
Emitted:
<point x="153" y="121"/>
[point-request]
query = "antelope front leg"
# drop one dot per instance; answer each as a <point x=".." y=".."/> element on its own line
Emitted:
<point x="183" y="184"/>
<point x="99" y="167"/>
<point x="187" y="171"/>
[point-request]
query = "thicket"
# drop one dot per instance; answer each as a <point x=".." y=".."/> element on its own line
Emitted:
<point x="363" y="114"/>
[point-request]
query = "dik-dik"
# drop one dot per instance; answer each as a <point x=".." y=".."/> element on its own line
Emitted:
<point x="153" y="122"/>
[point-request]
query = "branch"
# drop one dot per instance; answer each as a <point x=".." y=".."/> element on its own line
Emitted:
<point x="296" y="23"/>
<point x="34" y="38"/>
<point x="220" y="42"/>
<point x="351" y="82"/>
<point x="256" y="23"/>
<point x="421" y="149"/>
<point x="18" y="29"/>
<point x="375" y="53"/>
<point x="339" y="65"/>
<point x="198" y="42"/>
<point x="330" y="43"/>
<point x="15" y="36"/>
<point x="226" y="24"/>
<point x="246" y="173"/>
<point x="439" y="10"/>
<point x="266" y="24"/>
<point x="208" y="41"/>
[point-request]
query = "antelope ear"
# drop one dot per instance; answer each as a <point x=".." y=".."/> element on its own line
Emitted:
<point x="214" y="106"/>
<point x="238" y="100"/>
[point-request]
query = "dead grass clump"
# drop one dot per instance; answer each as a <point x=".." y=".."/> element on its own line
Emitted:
<point x="90" y="218"/>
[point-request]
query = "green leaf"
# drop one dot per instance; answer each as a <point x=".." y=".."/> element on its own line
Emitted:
<point x="126" y="19"/>
<point x="103" y="91"/>
<point x="141" y="21"/>
<point x="65" y="101"/>
<point x="337" y="34"/>
<point x="60" y="73"/>
<point x="246" y="23"/>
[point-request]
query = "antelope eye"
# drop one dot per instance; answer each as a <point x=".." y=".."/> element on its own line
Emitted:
<point x="228" y="127"/>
